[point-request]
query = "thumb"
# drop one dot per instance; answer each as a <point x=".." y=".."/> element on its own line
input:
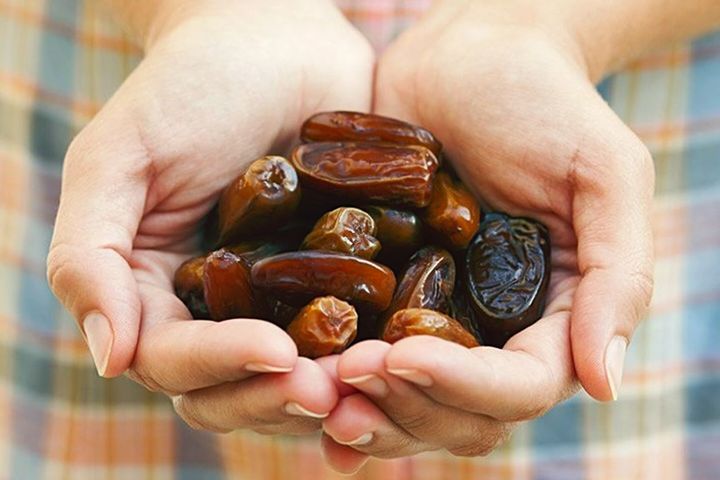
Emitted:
<point x="611" y="216"/>
<point x="104" y="186"/>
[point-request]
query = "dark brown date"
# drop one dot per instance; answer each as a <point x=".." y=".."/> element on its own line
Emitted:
<point x="508" y="271"/>
<point x="453" y="215"/>
<point x="365" y="127"/>
<point x="420" y="321"/>
<point x="188" y="284"/>
<point x="261" y="199"/>
<point x="325" y="326"/>
<point x="228" y="290"/>
<point x="368" y="173"/>
<point x="345" y="230"/>
<point x="397" y="230"/>
<point x="297" y="277"/>
<point x="427" y="282"/>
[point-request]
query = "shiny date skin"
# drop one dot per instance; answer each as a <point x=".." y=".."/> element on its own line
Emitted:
<point x="427" y="282"/>
<point x="345" y="230"/>
<point x="296" y="277"/>
<point x="227" y="286"/>
<point x="263" y="198"/>
<point x="366" y="127"/>
<point x="397" y="230"/>
<point x="419" y="321"/>
<point x="188" y="283"/>
<point x="368" y="173"/>
<point x="507" y="274"/>
<point x="453" y="215"/>
<point x="325" y="326"/>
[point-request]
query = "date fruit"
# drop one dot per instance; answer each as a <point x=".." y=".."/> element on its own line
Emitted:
<point x="188" y="284"/>
<point x="296" y="277"/>
<point x="420" y="321"/>
<point x="427" y="282"/>
<point x="365" y="127"/>
<point x="368" y="173"/>
<point x="325" y="326"/>
<point x="397" y="230"/>
<point x="345" y="230"/>
<point x="508" y="271"/>
<point x="228" y="290"/>
<point x="453" y="215"/>
<point x="263" y="198"/>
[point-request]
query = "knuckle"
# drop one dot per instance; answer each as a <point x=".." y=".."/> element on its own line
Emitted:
<point x="415" y="421"/>
<point x="190" y="411"/>
<point x="483" y="442"/>
<point x="390" y="447"/>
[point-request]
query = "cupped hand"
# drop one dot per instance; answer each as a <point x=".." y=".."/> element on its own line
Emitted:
<point x="223" y="85"/>
<point x="506" y="89"/>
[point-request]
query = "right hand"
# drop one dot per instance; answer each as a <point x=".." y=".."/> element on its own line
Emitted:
<point x="225" y="85"/>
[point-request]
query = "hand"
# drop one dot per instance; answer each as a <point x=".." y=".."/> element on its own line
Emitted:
<point x="523" y="125"/>
<point x="225" y="84"/>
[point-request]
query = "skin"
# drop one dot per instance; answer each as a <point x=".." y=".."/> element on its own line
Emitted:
<point x="139" y="178"/>
<point x="507" y="86"/>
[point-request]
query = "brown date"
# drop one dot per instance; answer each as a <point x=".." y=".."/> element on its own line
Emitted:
<point x="508" y="271"/>
<point x="397" y="230"/>
<point x="261" y="199"/>
<point x="228" y="291"/>
<point x="365" y="127"/>
<point x="420" y="321"/>
<point x="325" y="326"/>
<point x="188" y="284"/>
<point x="427" y="282"/>
<point x="297" y="277"/>
<point x="453" y="215"/>
<point x="345" y="230"/>
<point x="368" y="173"/>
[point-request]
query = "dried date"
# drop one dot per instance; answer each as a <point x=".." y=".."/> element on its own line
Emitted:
<point x="228" y="290"/>
<point x="325" y="326"/>
<point x="508" y="271"/>
<point x="366" y="127"/>
<point x="188" y="283"/>
<point x="261" y="199"/>
<point x="297" y="277"/>
<point x="345" y="230"/>
<point x="453" y="215"/>
<point x="397" y="230"/>
<point x="368" y="173"/>
<point x="420" y="321"/>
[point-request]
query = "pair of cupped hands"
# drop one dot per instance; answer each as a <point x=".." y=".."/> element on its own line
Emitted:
<point x="514" y="104"/>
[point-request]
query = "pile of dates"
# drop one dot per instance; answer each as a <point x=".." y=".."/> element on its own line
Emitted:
<point x="363" y="233"/>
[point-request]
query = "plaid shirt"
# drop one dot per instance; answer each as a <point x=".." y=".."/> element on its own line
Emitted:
<point x="60" y="60"/>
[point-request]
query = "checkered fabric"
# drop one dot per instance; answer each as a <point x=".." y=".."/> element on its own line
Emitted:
<point x="60" y="60"/>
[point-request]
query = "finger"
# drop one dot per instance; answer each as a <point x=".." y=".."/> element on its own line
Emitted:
<point x="329" y="364"/>
<point x="611" y="205"/>
<point x="433" y="424"/>
<point x="529" y="376"/>
<point x="358" y="423"/>
<point x="341" y="458"/>
<point x="105" y="181"/>
<point x="290" y="403"/>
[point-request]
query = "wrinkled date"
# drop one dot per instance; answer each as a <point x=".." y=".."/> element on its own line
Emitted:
<point x="188" y="285"/>
<point x="228" y="291"/>
<point x="420" y="321"/>
<point x="508" y="270"/>
<point x="427" y="282"/>
<point x="453" y="215"/>
<point x="367" y="173"/>
<point x="296" y="277"/>
<point x="345" y="230"/>
<point x="264" y="198"/>
<point x="366" y="127"/>
<point x="326" y="325"/>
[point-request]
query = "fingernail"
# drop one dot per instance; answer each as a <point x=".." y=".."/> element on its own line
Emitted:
<point x="294" y="408"/>
<point x="414" y="376"/>
<point x="371" y="384"/>
<point x="99" y="336"/>
<point x="363" y="439"/>
<point x="614" y="361"/>
<point x="264" y="368"/>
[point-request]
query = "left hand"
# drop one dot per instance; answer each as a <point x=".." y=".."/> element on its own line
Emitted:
<point x="509" y="94"/>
